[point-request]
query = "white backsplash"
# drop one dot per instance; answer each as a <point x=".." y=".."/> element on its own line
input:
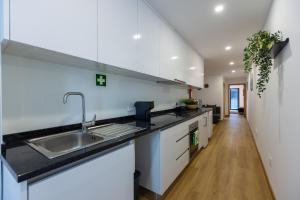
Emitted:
<point x="33" y="92"/>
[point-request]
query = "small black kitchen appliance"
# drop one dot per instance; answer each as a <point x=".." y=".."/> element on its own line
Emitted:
<point x="143" y="109"/>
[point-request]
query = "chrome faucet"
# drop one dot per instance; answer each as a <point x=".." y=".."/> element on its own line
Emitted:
<point x="84" y="123"/>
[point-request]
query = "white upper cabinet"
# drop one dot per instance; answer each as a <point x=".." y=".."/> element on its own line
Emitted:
<point x="68" y="26"/>
<point x="178" y="60"/>
<point x="148" y="45"/>
<point x="118" y="33"/>
<point x="196" y="70"/>
<point x="171" y="54"/>
<point x="192" y="66"/>
<point x="127" y="34"/>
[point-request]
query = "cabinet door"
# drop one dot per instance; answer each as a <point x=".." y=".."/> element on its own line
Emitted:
<point x="167" y="159"/>
<point x="171" y="59"/>
<point x="205" y="128"/>
<point x="186" y="61"/>
<point x="203" y="137"/>
<point x="196" y="70"/>
<point x="182" y="161"/>
<point x="148" y="45"/>
<point x="108" y="177"/>
<point x="210" y="123"/>
<point x="118" y="33"/>
<point x="68" y="26"/>
<point x="171" y="152"/>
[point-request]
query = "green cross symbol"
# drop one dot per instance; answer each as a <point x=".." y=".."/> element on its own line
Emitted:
<point x="100" y="80"/>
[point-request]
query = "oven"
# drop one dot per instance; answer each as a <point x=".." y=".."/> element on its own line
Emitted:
<point x="194" y="138"/>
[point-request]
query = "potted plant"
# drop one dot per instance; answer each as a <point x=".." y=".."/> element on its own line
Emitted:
<point x="190" y="103"/>
<point x="259" y="52"/>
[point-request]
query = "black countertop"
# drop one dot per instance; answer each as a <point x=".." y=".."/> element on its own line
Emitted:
<point x="26" y="163"/>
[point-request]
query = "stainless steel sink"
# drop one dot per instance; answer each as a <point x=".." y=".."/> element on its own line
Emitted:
<point x="61" y="144"/>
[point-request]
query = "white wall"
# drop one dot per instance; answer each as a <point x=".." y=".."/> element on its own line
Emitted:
<point x="33" y="92"/>
<point x="214" y="93"/>
<point x="274" y="119"/>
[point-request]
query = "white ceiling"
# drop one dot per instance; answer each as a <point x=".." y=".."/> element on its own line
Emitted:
<point x="209" y="32"/>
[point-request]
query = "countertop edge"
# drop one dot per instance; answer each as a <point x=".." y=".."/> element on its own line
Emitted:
<point x="90" y="154"/>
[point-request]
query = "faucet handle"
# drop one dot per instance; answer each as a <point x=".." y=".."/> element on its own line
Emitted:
<point x="94" y="120"/>
<point x="90" y="123"/>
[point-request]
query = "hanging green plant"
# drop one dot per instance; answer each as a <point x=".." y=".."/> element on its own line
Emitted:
<point x="258" y="52"/>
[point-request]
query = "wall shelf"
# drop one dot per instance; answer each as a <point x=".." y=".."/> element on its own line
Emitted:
<point x="277" y="47"/>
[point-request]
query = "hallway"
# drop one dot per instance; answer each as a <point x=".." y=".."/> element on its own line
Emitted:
<point x="228" y="169"/>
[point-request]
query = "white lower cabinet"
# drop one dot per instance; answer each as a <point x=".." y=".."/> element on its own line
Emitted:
<point x="108" y="177"/>
<point x="174" y="144"/>
<point x="210" y="124"/>
<point x="203" y="131"/>
<point x="161" y="157"/>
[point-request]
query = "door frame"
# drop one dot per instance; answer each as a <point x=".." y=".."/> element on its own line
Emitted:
<point x="245" y="97"/>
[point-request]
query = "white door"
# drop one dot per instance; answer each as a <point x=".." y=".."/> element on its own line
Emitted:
<point x="68" y="26"/>
<point x="148" y="44"/>
<point x="118" y="33"/>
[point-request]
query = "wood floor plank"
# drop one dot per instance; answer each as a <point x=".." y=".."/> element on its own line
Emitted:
<point x="228" y="169"/>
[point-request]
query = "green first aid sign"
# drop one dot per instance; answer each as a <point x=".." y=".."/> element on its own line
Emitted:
<point x="100" y="80"/>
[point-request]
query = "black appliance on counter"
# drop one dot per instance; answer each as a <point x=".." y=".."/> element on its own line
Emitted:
<point x="143" y="109"/>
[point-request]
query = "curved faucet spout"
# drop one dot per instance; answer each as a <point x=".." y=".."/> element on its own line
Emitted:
<point x="65" y="100"/>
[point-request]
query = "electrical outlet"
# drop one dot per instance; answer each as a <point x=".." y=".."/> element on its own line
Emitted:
<point x="270" y="161"/>
<point x="256" y="131"/>
<point x="131" y="108"/>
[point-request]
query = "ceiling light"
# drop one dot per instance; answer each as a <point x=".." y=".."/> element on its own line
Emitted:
<point x="137" y="36"/>
<point x="233" y="71"/>
<point x="174" y="58"/>
<point x="193" y="68"/>
<point x="231" y="63"/>
<point x="228" y="48"/>
<point x="219" y="8"/>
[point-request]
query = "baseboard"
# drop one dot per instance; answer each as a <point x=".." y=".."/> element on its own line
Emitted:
<point x="265" y="172"/>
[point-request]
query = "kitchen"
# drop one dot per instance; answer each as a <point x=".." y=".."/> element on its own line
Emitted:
<point x="128" y="99"/>
<point x="78" y="143"/>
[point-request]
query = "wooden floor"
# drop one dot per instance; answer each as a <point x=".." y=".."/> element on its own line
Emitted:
<point x="228" y="169"/>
